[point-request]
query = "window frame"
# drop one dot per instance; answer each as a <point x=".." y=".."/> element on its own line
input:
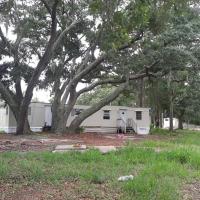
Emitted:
<point x="106" y="114"/>
<point x="138" y="115"/>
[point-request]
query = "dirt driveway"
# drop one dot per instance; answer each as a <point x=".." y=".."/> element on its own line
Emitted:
<point x="47" y="142"/>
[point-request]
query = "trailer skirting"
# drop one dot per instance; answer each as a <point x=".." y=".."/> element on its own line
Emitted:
<point x="140" y="130"/>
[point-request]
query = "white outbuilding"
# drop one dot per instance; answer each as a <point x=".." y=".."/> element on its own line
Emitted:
<point x="166" y="122"/>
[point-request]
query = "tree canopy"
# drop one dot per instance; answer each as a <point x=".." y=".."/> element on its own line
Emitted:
<point x="115" y="45"/>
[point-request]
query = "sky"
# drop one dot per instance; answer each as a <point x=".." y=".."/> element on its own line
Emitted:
<point x="41" y="95"/>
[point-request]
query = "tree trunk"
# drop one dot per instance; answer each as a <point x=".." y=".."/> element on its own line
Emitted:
<point x="171" y="127"/>
<point x="180" y="122"/>
<point x="73" y="128"/>
<point x="15" y="112"/>
<point x="13" y="103"/>
<point x="141" y="92"/>
<point x="61" y="112"/>
<point x="58" y="119"/>
<point x="22" y="115"/>
<point x="29" y="91"/>
<point x="27" y="128"/>
<point x="171" y="106"/>
<point x="56" y="114"/>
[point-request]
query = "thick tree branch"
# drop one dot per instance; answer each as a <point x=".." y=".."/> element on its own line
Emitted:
<point x="64" y="86"/>
<point x="104" y="56"/>
<point x="6" y="43"/>
<point x="64" y="32"/>
<point x="49" y="10"/>
<point x="53" y="17"/>
<point x="85" y="60"/>
<point x="4" y="51"/>
<point x="47" y="6"/>
<point x="7" y="96"/>
<point x="97" y="106"/>
<point x="67" y="91"/>
<point x="37" y="72"/>
<point x="18" y="89"/>
<point x="137" y="37"/>
<point x="140" y="75"/>
<point x="94" y="64"/>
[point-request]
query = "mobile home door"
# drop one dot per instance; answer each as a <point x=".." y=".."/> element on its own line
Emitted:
<point x="123" y="114"/>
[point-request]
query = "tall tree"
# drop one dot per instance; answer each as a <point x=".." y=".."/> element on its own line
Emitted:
<point x="119" y="31"/>
<point x="37" y="29"/>
<point x="109" y="31"/>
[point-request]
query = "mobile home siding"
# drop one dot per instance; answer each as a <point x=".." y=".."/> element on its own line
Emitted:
<point x="4" y="118"/>
<point x="96" y="120"/>
<point x="39" y="116"/>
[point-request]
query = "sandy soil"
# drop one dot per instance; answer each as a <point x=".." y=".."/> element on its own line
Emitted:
<point x="65" y="191"/>
<point x="191" y="191"/>
<point x="47" y="142"/>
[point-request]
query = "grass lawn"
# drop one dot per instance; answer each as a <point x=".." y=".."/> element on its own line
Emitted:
<point x="161" y="170"/>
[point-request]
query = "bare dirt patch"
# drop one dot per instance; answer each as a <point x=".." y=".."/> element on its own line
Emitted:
<point x="47" y="142"/>
<point x="68" y="191"/>
<point x="191" y="191"/>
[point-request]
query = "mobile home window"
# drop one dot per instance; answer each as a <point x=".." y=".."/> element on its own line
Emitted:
<point x="106" y="114"/>
<point x="29" y="110"/>
<point x="138" y="115"/>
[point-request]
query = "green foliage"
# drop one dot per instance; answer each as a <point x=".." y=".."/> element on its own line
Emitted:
<point x="178" y="56"/>
<point x="81" y="130"/>
<point x="125" y="99"/>
<point x="120" y="19"/>
<point x="2" y="131"/>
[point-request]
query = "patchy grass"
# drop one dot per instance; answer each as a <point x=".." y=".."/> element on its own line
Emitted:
<point x="159" y="131"/>
<point x="157" y="175"/>
<point x="187" y="137"/>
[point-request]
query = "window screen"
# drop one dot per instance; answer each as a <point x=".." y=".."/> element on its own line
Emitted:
<point x="106" y="114"/>
<point x="138" y="115"/>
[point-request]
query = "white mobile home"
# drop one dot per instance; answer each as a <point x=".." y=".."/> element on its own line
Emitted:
<point x="36" y="117"/>
<point x="109" y="119"/>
